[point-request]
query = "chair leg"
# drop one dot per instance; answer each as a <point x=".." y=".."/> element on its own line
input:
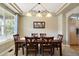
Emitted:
<point x="43" y="52"/>
<point x="53" y="51"/>
<point x="16" y="49"/>
<point x="35" y="52"/>
<point x="60" y="49"/>
<point x="57" y="48"/>
<point x="26" y="52"/>
<point x="23" y="50"/>
<point x="40" y="49"/>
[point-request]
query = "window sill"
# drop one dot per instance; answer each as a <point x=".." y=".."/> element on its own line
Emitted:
<point x="5" y="41"/>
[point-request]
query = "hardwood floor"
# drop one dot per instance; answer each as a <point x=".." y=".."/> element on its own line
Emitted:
<point x="76" y="48"/>
<point x="67" y="51"/>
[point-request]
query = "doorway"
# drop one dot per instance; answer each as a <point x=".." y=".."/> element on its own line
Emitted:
<point x="73" y="25"/>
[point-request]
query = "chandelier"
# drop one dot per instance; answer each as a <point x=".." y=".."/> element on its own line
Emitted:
<point x="39" y="12"/>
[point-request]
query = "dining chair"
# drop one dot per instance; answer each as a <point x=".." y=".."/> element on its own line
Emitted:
<point x="42" y="35"/>
<point x="16" y="38"/>
<point x="35" y="35"/>
<point x="59" y="37"/>
<point x="47" y="44"/>
<point x="31" y="45"/>
<point x="58" y="43"/>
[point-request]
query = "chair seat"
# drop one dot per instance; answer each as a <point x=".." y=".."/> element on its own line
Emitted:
<point x="31" y="49"/>
<point x="56" y="45"/>
<point x="47" y="50"/>
<point x="21" y="45"/>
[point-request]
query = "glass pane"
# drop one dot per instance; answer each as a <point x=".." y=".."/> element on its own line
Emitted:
<point x="9" y="27"/>
<point x="1" y="17"/>
<point x="1" y="21"/>
<point x="9" y="24"/>
<point x="0" y="31"/>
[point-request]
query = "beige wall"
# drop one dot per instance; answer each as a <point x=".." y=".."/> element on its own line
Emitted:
<point x="20" y="26"/>
<point x="26" y="25"/>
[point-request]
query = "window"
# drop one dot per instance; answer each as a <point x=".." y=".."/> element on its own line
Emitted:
<point x="1" y="22"/>
<point x="1" y="27"/>
<point x="7" y="24"/>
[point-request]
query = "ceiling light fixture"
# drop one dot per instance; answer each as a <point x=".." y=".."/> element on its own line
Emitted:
<point x="39" y="12"/>
<point x="29" y="14"/>
<point x="49" y="15"/>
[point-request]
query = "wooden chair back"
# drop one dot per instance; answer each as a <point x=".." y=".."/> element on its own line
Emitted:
<point x="34" y="34"/>
<point x="47" y="44"/>
<point x="30" y="40"/>
<point x="60" y="37"/>
<point x="31" y="44"/>
<point x="42" y="34"/>
<point x="47" y="40"/>
<point x="16" y="37"/>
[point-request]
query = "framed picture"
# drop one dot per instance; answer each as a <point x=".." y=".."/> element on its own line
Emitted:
<point x="38" y="24"/>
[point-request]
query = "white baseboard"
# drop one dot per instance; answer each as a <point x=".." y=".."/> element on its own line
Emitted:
<point x="66" y="45"/>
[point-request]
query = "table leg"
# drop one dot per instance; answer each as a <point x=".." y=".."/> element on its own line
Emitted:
<point x="60" y="49"/>
<point x="23" y="49"/>
<point x="40" y="48"/>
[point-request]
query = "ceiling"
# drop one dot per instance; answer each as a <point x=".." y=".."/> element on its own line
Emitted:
<point x="55" y="8"/>
<point x="51" y="7"/>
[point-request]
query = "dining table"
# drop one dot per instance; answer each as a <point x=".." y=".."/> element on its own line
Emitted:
<point x="56" y="43"/>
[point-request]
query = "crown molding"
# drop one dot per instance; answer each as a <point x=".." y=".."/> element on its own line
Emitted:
<point x="11" y="8"/>
<point x="16" y="8"/>
<point x="62" y="8"/>
<point x="67" y="7"/>
<point x="7" y="8"/>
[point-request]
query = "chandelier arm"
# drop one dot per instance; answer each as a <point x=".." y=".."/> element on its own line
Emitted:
<point x="44" y="7"/>
<point x="33" y="7"/>
<point x="40" y="5"/>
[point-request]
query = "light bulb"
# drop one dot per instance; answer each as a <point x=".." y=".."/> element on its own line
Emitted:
<point x="28" y="14"/>
<point x="38" y="15"/>
<point x="49" y="15"/>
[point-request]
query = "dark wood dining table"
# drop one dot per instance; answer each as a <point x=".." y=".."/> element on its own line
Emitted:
<point x="22" y="40"/>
